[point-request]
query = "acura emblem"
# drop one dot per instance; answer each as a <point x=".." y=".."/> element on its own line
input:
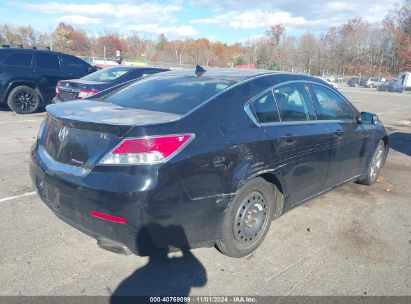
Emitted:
<point x="63" y="133"/>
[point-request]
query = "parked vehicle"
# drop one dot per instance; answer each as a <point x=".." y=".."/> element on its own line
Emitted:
<point x="374" y="82"/>
<point x="391" y="85"/>
<point x="98" y="81"/>
<point x="404" y="79"/>
<point x="200" y="158"/>
<point x="363" y="81"/>
<point x="330" y="82"/>
<point x="28" y="77"/>
<point x="354" y="82"/>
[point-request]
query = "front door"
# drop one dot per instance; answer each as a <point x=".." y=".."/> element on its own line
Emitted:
<point x="346" y="134"/>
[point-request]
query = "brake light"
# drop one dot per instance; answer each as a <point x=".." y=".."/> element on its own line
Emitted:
<point x="86" y="93"/>
<point x="147" y="150"/>
<point x="107" y="217"/>
<point x="57" y="90"/>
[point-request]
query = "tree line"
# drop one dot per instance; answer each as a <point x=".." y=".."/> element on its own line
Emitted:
<point x="356" y="47"/>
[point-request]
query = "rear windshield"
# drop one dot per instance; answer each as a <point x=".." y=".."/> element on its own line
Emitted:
<point x="107" y="74"/>
<point x="170" y="94"/>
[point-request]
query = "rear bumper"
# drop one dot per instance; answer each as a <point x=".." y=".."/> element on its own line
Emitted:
<point x="161" y="217"/>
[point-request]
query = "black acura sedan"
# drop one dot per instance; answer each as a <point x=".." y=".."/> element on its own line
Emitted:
<point x="96" y="82"/>
<point x="200" y="158"/>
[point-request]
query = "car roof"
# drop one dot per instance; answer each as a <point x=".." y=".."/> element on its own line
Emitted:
<point x="230" y="74"/>
<point x="132" y="68"/>
<point x="13" y="49"/>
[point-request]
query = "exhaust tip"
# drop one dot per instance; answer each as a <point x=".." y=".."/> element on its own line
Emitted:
<point x="113" y="246"/>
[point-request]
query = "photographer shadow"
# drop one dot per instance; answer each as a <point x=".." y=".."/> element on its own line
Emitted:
<point x="162" y="275"/>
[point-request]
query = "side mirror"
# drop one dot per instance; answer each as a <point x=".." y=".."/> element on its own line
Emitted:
<point x="368" y="118"/>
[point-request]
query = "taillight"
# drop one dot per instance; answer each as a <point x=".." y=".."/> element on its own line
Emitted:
<point x="86" y="93"/>
<point x="57" y="90"/>
<point x="107" y="217"/>
<point x="147" y="150"/>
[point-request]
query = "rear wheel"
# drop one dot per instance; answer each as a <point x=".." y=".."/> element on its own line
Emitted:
<point x="248" y="218"/>
<point x="375" y="165"/>
<point x="24" y="100"/>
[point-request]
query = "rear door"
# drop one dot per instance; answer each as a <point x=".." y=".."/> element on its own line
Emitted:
<point x="15" y="66"/>
<point x="347" y="136"/>
<point x="299" y="141"/>
<point x="48" y="70"/>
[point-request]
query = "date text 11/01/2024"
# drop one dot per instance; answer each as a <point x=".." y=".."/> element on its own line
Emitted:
<point x="205" y="299"/>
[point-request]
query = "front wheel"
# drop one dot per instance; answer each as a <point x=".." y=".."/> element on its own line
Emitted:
<point x="248" y="218"/>
<point x="375" y="165"/>
<point x="24" y="100"/>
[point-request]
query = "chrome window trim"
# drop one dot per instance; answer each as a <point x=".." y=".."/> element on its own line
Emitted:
<point x="249" y="111"/>
<point x="56" y="166"/>
<point x="301" y="122"/>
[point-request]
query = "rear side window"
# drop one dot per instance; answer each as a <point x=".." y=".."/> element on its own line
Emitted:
<point x="265" y="109"/>
<point x="330" y="106"/>
<point x="74" y="63"/>
<point x="170" y="94"/>
<point x="294" y="102"/>
<point x="19" y="59"/>
<point x="48" y="61"/>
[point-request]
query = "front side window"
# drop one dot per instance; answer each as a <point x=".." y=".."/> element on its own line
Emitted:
<point x="294" y="102"/>
<point x="74" y="63"/>
<point x="330" y="106"/>
<point x="48" y="61"/>
<point x="19" y="59"/>
<point x="264" y="109"/>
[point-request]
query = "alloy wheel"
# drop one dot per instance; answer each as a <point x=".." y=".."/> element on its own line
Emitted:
<point x="25" y="100"/>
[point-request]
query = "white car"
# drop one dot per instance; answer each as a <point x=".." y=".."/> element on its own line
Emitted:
<point x="330" y="82"/>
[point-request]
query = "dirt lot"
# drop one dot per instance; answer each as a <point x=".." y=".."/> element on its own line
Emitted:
<point x="355" y="240"/>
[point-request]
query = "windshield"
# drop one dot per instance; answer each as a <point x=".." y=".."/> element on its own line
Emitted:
<point x="107" y="74"/>
<point x="170" y="94"/>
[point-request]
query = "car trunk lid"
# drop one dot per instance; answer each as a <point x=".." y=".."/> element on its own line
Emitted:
<point x="69" y="89"/>
<point x="80" y="133"/>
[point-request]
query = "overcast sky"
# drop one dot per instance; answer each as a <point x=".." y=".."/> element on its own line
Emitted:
<point x="225" y="20"/>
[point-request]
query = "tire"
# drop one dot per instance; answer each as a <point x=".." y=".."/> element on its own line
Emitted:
<point x="24" y="100"/>
<point x="375" y="164"/>
<point x="248" y="218"/>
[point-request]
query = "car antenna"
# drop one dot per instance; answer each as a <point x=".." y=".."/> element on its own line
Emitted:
<point x="199" y="70"/>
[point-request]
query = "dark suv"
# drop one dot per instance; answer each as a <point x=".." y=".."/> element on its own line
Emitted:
<point x="28" y="77"/>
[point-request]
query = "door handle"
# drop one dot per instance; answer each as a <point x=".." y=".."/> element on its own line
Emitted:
<point x="289" y="139"/>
